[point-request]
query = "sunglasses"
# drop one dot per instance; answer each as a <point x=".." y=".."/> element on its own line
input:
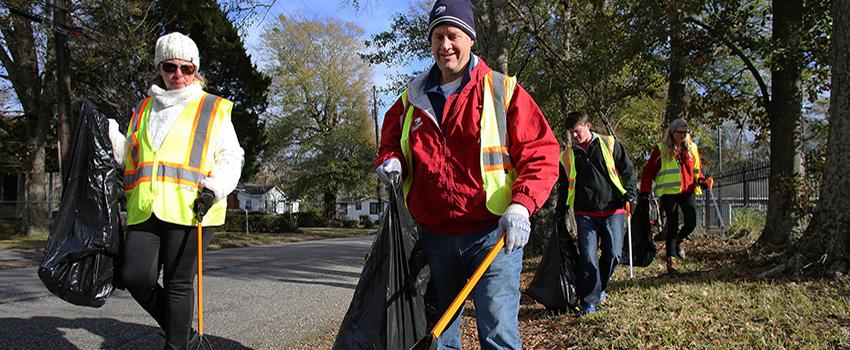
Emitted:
<point x="187" y="69"/>
<point x="682" y="132"/>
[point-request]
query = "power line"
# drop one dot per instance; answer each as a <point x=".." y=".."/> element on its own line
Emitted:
<point x="65" y="29"/>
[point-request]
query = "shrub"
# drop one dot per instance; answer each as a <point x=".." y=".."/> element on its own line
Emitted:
<point x="366" y="221"/>
<point x="346" y="223"/>
<point x="258" y="222"/>
<point x="310" y="219"/>
<point x="747" y="222"/>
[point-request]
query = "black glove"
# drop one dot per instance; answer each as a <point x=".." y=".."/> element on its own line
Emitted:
<point x="630" y="198"/>
<point x="203" y="203"/>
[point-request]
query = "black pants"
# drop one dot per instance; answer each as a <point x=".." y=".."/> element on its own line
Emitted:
<point x="155" y="244"/>
<point x="671" y="204"/>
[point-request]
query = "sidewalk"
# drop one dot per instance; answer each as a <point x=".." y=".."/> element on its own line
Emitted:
<point x="17" y="258"/>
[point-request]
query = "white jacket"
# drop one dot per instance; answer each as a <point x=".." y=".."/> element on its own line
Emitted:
<point x="228" y="156"/>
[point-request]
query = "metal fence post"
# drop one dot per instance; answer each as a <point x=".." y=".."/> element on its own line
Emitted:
<point x="746" y="186"/>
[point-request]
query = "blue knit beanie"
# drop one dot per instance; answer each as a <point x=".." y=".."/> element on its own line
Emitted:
<point x="459" y="13"/>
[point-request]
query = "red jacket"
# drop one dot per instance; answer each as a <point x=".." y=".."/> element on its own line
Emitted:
<point x="653" y="165"/>
<point x="447" y="195"/>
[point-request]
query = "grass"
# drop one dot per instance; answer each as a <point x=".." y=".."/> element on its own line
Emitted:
<point x="714" y="303"/>
<point x="231" y="240"/>
<point x="747" y="222"/>
<point x="9" y="238"/>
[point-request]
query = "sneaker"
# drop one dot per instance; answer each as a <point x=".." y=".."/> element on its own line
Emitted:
<point x="588" y="310"/>
<point x="602" y="297"/>
<point x="671" y="265"/>
<point x="680" y="253"/>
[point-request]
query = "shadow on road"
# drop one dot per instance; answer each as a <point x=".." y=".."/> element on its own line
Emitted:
<point x="60" y="333"/>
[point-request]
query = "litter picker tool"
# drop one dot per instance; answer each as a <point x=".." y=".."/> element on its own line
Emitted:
<point x="709" y="185"/>
<point x="430" y="342"/>
<point x="629" y="231"/>
<point x="203" y="343"/>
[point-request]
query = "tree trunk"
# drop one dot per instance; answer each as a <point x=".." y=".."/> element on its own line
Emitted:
<point x="677" y="74"/>
<point x="329" y="200"/>
<point x="31" y="85"/>
<point x="61" y="11"/>
<point x="784" y="223"/>
<point x="828" y="236"/>
<point x="492" y="34"/>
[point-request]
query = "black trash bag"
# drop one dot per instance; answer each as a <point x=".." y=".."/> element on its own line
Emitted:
<point x="643" y="245"/>
<point x="554" y="283"/>
<point x="388" y="310"/>
<point x="81" y="254"/>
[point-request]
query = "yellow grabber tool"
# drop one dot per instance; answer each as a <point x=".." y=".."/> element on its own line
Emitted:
<point x="430" y="342"/>
<point x="202" y="342"/>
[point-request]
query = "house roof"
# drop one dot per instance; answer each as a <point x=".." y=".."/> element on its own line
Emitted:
<point x="252" y="188"/>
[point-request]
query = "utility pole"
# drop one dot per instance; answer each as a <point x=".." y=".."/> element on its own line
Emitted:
<point x="61" y="11"/>
<point x="377" y="144"/>
<point x="720" y="148"/>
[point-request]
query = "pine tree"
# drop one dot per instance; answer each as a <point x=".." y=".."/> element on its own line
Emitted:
<point x="227" y="68"/>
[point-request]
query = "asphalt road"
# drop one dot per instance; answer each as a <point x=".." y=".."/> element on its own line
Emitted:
<point x="269" y="297"/>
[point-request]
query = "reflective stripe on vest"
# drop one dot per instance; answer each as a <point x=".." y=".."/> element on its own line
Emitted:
<point x="669" y="177"/>
<point x="166" y="181"/>
<point x="606" y="144"/>
<point x="497" y="170"/>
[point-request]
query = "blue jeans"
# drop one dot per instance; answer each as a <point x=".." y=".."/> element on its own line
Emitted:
<point x="496" y="296"/>
<point x="593" y="275"/>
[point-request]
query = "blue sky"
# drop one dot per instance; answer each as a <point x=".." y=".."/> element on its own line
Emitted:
<point x="373" y="18"/>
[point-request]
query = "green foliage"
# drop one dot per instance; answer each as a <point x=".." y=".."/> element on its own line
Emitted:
<point x="119" y="32"/>
<point x="320" y="127"/>
<point x="347" y="223"/>
<point x="310" y="219"/>
<point x="227" y="68"/>
<point x="366" y="221"/>
<point x="258" y="223"/>
<point x="747" y="222"/>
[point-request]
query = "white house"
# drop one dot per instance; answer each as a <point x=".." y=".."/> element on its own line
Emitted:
<point x="353" y="208"/>
<point x="261" y="198"/>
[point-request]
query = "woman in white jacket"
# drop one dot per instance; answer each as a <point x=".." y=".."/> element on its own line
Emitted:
<point x="181" y="158"/>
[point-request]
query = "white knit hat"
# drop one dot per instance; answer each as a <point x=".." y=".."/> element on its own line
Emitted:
<point x="179" y="46"/>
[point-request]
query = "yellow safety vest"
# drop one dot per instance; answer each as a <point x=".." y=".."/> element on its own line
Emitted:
<point x="607" y="146"/>
<point x="166" y="181"/>
<point x="497" y="170"/>
<point x="669" y="177"/>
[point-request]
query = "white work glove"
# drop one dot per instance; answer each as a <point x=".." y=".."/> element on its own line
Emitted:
<point x="119" y="142"/>
<point x="516" y="226"/>
<point x="389" y="171"/>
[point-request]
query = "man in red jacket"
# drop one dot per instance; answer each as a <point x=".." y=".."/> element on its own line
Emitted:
<point x="477" y="158"/>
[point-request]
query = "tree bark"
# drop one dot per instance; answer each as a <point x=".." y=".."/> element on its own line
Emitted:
<point x="827" y="239"/>
<point x="34" y="94"/>
<point x="492" y="34"/>
<point x="784" y="219"/>
<point x="329" y="200"/>
<point x="677" y="62"/>
<point x="61" y="11"/>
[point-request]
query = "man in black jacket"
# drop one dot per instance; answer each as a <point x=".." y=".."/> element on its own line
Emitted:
<point x="596" y="180"/>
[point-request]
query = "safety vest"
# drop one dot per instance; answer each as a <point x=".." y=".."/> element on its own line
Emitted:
<point x="669" y="178"/>
<point x="607" y="147"/>
<point x="166" y="181"/>
<point x="497" y="170"/>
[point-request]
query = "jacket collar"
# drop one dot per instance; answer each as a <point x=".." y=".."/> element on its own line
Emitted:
<point x="593" y="137"/>
<point x="417" y="87"/>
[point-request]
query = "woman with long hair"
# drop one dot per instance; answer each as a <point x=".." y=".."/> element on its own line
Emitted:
<point x="675" y="167"/>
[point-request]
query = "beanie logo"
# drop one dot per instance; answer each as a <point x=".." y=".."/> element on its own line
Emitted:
<point x="439" y="10"/>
